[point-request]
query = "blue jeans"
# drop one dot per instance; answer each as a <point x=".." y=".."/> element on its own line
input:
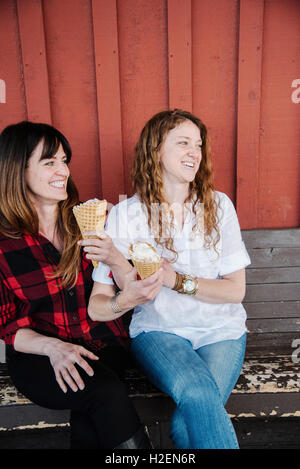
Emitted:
<point x="199" y="381"/>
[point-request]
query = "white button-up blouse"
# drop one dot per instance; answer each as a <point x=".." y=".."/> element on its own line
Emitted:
<point x="199" y="322"/>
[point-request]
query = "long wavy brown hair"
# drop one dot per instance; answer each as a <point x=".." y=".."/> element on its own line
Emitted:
<point x="17" y="213"/>
<point x="148" y="183"/>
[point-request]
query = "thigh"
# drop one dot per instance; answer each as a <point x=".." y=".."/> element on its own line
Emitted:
<point x="170" y="362"/>
<point x="224" y="360"/>
<point x="33" y="376"/>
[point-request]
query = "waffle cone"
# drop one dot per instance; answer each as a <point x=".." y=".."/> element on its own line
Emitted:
<point x="90" y="216"/>
<point x="145" y="269"/>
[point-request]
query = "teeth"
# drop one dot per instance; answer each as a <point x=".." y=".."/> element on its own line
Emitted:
<point x="190" y="165"/>
<point x="57" y="184"/>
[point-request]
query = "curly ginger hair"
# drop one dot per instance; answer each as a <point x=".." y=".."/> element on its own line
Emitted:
<point x="147" y="178"/>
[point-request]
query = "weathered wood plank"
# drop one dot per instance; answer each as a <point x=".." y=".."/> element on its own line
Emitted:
<point x="284" y="238"/>
<point x="269" y="375"/>
<point x="270" y="344"/>
<point x="259" y="375"/>
<point x="34" y="58"/>
<point x="273" y="275"/>
<point x="273" y="292"/>
<point x="275" y="257"/>
<point x="248" y="110"/>
<point x="270" y="309"/>
<point x="180" y="54"/>
<point x="274" y="325"/>
<point x="105" y="33"/>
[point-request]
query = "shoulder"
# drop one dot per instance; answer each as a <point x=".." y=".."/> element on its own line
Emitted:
<point x="11" y="244"/>
<point x="225" y="209"/>
<point x="224" y="202"/>
<point x="222" y="199"/>
<point x="10" y="250"/>
<point x="127" y="203"/>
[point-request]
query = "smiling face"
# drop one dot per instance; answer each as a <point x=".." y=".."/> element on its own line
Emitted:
<point x="180" y="154"/>
<point x="46" y="179"/>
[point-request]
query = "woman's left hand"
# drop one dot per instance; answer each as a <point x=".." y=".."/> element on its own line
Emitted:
<point x="169" y="275"/>
<point x="99" y="247"/>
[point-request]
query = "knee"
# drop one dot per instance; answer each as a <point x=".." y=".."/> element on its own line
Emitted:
<point x="204" y="393"/>
<point x="108" y="389"/>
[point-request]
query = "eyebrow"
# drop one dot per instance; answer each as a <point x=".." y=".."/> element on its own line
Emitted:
<point x="182" y="136"/>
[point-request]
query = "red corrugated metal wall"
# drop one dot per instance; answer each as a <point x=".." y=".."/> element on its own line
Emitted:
<point x="98" y="69"/>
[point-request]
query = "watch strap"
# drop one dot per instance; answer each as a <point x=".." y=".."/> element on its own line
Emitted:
<point x="178" y="282"/>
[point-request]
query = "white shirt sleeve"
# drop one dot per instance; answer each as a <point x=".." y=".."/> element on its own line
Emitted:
<point x="234" y="255"/>
<point x="117" y="227"/>
<point x="101" y="274"/>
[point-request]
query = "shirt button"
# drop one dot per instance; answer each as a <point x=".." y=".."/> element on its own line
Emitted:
<point x="74" y="317"/>
<point x="71" y="293"/>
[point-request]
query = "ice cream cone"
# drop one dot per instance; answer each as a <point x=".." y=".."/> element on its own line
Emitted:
<point x="146" y="269"/>
<point x="90" y="215"/>
<point x="149" y="264"/>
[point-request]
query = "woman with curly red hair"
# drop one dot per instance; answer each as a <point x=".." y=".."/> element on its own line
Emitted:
<point x="190" y="339"/>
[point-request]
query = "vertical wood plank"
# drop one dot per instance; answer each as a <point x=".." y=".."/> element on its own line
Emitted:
<point x="32" y="36"/>
<point x="180" y="54"/>
<point x="143" y="54"/>
<point x="249" y="102"/>
<point x="279" y="165"/>
<point x="14" y="108"/>
<point x="215" y="26"/>
<point x="72" y="83"/>
<point x="108" y="98"/>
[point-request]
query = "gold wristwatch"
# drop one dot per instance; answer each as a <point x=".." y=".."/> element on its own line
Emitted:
<point x="185" y="284"/>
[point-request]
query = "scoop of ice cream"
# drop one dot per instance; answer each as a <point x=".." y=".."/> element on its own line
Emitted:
<point x="90" y="201"/>
<point x="144" y="252"/>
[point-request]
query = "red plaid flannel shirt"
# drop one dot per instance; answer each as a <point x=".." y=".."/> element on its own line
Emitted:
<point x="29" y="299"/>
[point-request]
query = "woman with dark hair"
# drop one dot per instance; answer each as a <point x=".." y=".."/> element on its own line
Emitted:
<point x="190" y="339"/>
<point x="57" y="356"/>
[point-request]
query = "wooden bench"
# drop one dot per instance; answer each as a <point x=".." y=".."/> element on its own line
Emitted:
<point x="270" y="380"/>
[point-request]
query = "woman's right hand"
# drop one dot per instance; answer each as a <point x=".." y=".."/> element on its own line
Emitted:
<point x="136" y="292"/>
<point x="63" y="356"/>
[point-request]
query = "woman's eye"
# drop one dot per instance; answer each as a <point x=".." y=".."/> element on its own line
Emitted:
<point x="49" y="163"/>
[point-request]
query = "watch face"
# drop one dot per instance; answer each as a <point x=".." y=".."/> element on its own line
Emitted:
<point x="189" y="285"/>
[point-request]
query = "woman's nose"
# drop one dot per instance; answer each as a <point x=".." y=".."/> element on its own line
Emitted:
<point x="63" y="169"/>
<point x="194" y="151"/>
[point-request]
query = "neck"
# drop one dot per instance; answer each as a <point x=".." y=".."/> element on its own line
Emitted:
<point x="176" y="193"/>
<point x="47" y="215"/>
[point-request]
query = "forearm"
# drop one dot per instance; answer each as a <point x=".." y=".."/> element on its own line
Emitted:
<point x="220" y="291"/>
<point x="100" y="309"/>
<point x="120" y="266"/>
<point x="135" y="292"/>
<point x="29" y="341"/>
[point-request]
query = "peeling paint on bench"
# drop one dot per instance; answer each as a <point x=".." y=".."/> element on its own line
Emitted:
<point x="39" y="425"/>
<point x="264" y="375"/>
<point x="270" y="375"/>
